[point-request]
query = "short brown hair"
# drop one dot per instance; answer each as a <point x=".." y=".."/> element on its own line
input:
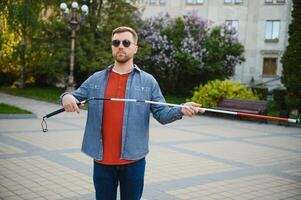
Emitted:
<point x="122" y="29"/>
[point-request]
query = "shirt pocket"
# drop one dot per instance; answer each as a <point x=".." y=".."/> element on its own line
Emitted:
<point x="142" y="92"/>
<point x="94" y="90"/>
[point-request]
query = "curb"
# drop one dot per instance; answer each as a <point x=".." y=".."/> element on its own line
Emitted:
<point x="18" y="116"/>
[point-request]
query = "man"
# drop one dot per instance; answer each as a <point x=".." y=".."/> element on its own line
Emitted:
<point x="117" y="133"/>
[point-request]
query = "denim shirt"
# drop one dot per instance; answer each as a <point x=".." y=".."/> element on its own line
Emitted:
<point x="135" y="127"/>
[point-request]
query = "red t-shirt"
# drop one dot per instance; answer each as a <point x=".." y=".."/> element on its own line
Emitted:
<point x="113" y="120"/>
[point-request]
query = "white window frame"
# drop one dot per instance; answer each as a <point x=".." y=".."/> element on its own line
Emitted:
<point x="272" y="35"/>
<point x="152" y="2"/>
<point x="233" y="24"/>
<point x="238" y="1"/>
<point x="268" y="1"/>
<point x="194" y="2"/>
<point x="162" y="2"/>
<point x="275" y="2"/>
<point x="199" y="1"/>
<point x="230" y="2"/>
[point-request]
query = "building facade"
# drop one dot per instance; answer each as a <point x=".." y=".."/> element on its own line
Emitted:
<point x="262" y="27"/>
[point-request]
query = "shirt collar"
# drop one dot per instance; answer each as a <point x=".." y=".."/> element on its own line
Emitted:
<point x="135" y="67"/>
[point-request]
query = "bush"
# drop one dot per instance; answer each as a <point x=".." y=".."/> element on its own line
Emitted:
<point x="213" y="91"/>
<point x="279" y="98"/>
<point x="262" y="92"/>
<point x="8" y="78"/>
<point x="187" y="50"/>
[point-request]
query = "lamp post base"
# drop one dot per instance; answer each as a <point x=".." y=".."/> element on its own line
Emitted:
<point x="70" y="88"/>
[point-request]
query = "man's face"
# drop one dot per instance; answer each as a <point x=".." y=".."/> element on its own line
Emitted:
<point x="122" y="53"/>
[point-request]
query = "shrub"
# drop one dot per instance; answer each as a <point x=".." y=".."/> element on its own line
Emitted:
<point x="187" y="50"/>
<point x="262" y="92"/>
<point x="213" y="91"/>
<point x="279" y="97"/>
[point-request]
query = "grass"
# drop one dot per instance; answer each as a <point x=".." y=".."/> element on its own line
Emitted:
<point x="50" y="94"/>
<point x="9" y="109"/>
<point x="272" y="111"/>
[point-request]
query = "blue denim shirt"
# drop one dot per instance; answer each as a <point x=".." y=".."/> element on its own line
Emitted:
<point x="135" y="128"/>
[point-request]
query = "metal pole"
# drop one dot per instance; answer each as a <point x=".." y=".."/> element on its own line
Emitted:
<point x="71" y="85"/>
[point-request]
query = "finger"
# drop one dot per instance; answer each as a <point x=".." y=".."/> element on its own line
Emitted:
<point x="196" y="104"/>
<point x="193" y="109"/>
<point x="188" y="112"/>
<point x="76" y="108"/>
<point x="189" y="109"/>
<point x="201" y="110"/>
<point x="68" y="108"/>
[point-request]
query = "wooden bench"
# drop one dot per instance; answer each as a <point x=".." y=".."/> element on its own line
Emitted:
<point x="240" y="105"/>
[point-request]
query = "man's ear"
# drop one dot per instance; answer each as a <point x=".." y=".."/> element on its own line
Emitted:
<point x="136" y="49"/>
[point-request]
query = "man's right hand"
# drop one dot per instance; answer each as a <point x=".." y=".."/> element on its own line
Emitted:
<point x="69" y="103"/>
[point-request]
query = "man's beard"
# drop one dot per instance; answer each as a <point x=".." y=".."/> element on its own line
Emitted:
<point x="122" y="59"/>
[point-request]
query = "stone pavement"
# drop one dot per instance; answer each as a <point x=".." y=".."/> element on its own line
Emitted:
<point x="194" y="159"/>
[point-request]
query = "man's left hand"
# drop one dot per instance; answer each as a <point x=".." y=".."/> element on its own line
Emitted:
<point x="191" y="109"/>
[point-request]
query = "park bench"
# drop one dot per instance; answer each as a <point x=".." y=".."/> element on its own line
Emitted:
<point x="247" y="106"/>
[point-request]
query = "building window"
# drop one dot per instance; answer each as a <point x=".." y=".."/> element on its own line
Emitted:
<point x="269" y="66"/>
<point x="152" y="2"/>
<point x="194" y="1"/>
<point x="157" y="2"/>
<point x="162" y="2"/>
<point x="233" y="1"/>
<point x="280" y="2"/>
<point x="268" y="1"/>
<point x="272" y="30"/>
<point x="232" y="24"/>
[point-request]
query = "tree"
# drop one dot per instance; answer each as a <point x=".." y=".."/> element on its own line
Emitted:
<point x="9" y="40"/>
<point x="223" y="53"/>
<point x="93" y="41"/>
<point x="185" y="51"/>
<point x="23" y="18"/>
<point x="291" y="60"/>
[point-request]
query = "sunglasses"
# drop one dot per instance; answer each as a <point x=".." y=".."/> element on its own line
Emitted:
<point x="125" y="43"/>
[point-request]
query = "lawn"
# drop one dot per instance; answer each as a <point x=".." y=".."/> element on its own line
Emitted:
<point x="50" y="94"/>
<point x="9" y="109"/>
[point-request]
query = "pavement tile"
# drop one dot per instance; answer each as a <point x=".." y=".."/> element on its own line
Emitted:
<point x="243" y="152"/>
<point x="199" y="158"/>
<point x="165" y="165"/>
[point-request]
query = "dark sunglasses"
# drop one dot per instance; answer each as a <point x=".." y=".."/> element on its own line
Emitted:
<point x="125" y="43"/>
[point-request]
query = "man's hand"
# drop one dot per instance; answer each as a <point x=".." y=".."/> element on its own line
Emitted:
<point x="191" y="109"/>
<point x="69" y="103"/>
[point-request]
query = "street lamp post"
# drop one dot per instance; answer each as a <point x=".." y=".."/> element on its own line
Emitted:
<point x="74" y="19"/>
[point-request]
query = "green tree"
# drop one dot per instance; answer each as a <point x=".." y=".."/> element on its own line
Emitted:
<point x="9" y="40"/>
<point x="92" y="46"/>
<point x="24" y="18"/>
<point x="186" y="51"/>
<point x="223" y="53"/>
<point x="291" y="60"/>
<point x="94" y="42"/>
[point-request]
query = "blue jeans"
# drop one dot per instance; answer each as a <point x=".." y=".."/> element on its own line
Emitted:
<point x="130" y="177"/>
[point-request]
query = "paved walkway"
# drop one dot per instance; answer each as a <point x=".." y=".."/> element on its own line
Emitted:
<point x="194" y="158"/>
